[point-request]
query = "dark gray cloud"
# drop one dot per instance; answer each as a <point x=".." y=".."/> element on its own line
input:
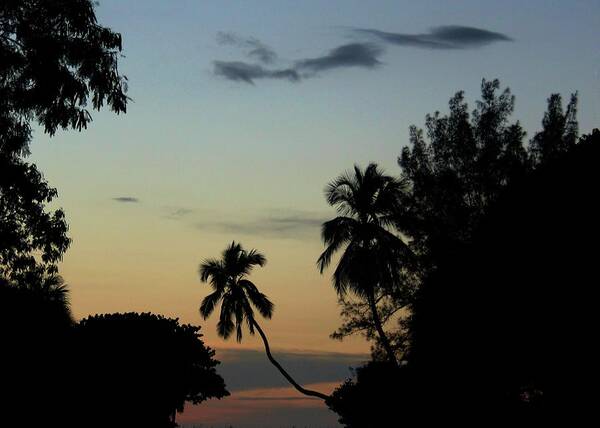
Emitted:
<point x="279" y="224"/>
<point x="359" y="54"/>
<point x="250" y="369"/>
<point x="364" y="55"/>
<point x="126" y="199"/>
<point x="254" y="48"/>
<point x="350" y="55"/>
<point x="244" y="72"/>
<point x="444" y="37"/>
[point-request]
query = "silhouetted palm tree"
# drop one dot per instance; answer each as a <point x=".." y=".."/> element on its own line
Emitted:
<point x="237" y="294"/>
<point x="372" y="255"/>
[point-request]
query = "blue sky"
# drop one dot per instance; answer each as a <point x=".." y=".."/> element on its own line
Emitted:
<point x="206" y="159"/>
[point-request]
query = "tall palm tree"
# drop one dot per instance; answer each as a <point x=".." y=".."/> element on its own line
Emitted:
<point x="237" y="294"/>
<point x="372" y="255"/>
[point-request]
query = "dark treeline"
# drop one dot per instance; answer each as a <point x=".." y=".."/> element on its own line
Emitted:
<point x="470" y="272"/>
<point x="57" y="63"/>
<point x="116" y="370"/>
<point x="498" y="307"/>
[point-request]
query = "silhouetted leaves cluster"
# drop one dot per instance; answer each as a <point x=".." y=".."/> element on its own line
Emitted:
<point x="502" y="322"/>
<point x="455" y="169"/>
<point x="56" y="63"/>
<point x="31" y="238"/>
<point x="138" y="369"/>
<point x="108" y="370"/>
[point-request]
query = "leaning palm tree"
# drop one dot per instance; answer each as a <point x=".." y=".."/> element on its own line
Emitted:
<point x="372" y="255"/>
<point x="238" y="295"/>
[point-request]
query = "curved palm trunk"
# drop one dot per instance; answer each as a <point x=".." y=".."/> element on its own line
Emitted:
<point x="377" y="321"/>
<point x="282" y="371"/>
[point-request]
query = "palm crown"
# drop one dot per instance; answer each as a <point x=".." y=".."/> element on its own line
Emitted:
<point x="237" y="294"/>
<point x="367" y="203"/>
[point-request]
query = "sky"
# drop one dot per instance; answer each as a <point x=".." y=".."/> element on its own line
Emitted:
<point x="241" y="113"/>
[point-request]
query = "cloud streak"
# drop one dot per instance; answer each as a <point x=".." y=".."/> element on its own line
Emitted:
<point x="278" y="224"/>
<point x="126" y="199"/>
<point x="244" y="72"/>
<point x="443" y="37"/>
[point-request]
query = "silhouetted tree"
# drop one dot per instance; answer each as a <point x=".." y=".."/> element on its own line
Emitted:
<point x="140" y="369"/>
<point x="56" y="62"/>
<point x="237" y="295"/>
<point x="373" y="257"/>
<point x="376" y="397"/>
<point x="31" y="238"/>
<point x="454" y="176"/>
<point x="502" y="322"/>
<point x="457" y="168"/>
<point x="35" y="338"/>
<point x="511" y="315"/>
<point x="559" y="130"/>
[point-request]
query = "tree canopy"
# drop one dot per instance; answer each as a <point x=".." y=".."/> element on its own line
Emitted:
<point x="139" y="369"/>
<point x="502" y="319"/>
<point x="454" y="170"/>
<point x="56" y="64"/>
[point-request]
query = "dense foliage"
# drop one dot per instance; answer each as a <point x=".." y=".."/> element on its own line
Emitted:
<point x="139" y="369"/>
<point x="453" y="172"/>
<point x="108" y="370"/>
<point x="501" y="320"/>
<point x="56" y="63"/>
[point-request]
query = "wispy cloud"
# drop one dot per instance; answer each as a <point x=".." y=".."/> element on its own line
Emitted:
<point x="443" y="37"/>
<point x="254" y="48"/>
<point x="126" y="199"/>
<point x="279" y="224"/>
<point x="174" y="213"/>
<point x="244" y="72"/>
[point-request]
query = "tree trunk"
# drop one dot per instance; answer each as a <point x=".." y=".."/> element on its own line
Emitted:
<point x="283" y="372"/>
<point x="377" y="321"/>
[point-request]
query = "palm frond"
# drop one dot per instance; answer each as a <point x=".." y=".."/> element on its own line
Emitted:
<point x="239" y="312"/>
<point x="210" y="269"/>
<point x="225" y="326"/>
<point x="210" y="302"/>
<point x="255" y="258"/>
<point x="335" y="233"/>
<point x="260" y="301"/>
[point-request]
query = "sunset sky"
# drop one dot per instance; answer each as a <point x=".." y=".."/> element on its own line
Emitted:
<point x="241" y="112"/>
